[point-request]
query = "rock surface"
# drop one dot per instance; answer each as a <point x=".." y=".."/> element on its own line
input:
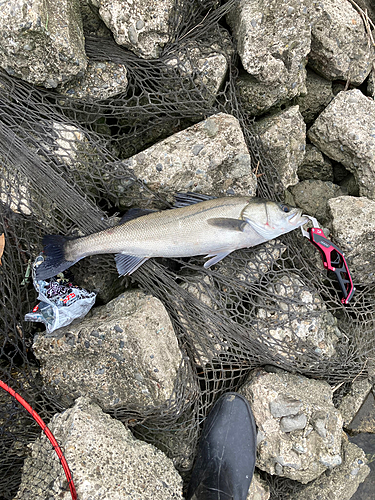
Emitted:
<point x="142" y="27"/>
<point x="311" y="443"/>
<point x="107" y="462"/>
<point x="296" y="320"/>
<point x="42" y="42"/>
<point x="100" y="81"/>
<point x="318" y="95"/>
<point x="273" y="56"/>
<point x="340" y="48"/>
<point x="352" y="402"/>
<point x="312" y="196"/>
<point x="283" y="135"/>
<point x="210" y="157"/>
<point x="345" y="132"/>
<point x="353" y="226"/>
<point x="122" y="354"/>
<point x="343" y="480"/>
<point x="315" y="165"/>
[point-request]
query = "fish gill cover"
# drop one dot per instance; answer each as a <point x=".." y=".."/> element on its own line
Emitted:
<point x="258" y="307"/>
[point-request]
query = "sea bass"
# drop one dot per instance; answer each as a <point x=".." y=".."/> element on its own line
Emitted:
<point x="197" y="225"/>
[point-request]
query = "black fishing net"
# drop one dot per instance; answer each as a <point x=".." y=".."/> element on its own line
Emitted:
<point x="64" y="170"/>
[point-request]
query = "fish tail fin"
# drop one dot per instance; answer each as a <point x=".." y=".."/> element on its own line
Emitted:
<point x="54" y="257"/>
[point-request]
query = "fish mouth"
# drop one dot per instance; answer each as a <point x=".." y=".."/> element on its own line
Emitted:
<point x="297" y="219"/>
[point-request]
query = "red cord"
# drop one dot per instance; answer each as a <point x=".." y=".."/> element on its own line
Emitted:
<point x="49" y="435"/>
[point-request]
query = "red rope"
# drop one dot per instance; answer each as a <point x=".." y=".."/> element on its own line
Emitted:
<point x="49" y="435"/>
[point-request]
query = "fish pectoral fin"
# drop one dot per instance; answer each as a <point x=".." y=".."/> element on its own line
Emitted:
<point x="215" y="258"/>
<point x="189" y="198"/>
<point x="127" y="264"/>
<point x="226" y="223"/>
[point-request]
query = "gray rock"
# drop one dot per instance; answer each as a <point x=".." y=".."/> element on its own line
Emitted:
<point x="295" y="423"/>
<point x="93" y="25"/>
<point x="210" y="157"/>
<point x="294" y="320"/>
<point x="42" y="42"/>
<point x="142" y="27"/>
<point x="315" y="165"/>
<point x="313" y="195"/>
<point x="285" y="406"/>
<point x="349" y="185"/>
<point x="284" y="136"/>
<point x="101" y="80"/>
<point x="364" y="421"/>
<point x="107" y="462"/>
<point x="345" y="132"/>
<point x="353" y="227"/>
<point x="352" y="402"/>
<point x="16" y="192"/>
<point x="203" y="66"/>
<point x="276" y="57"/>
<point x="259" y="97"/>
<point x="340" y="48"/>
<point x="301" y="454"/>
<point x="122" y="354"/>
<point x="318" y="95"/>
<point x="343" y="480"/>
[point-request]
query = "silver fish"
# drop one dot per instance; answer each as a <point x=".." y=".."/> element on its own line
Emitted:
<point x="200" y="225"/>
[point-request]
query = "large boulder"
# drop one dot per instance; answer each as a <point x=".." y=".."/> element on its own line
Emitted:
<point x="273" y="41"/>
<point x="345" y="132"/>
<point x="340" y="48"/>
<point x="142" y="27"/>
<point x="42" y="42"/>
<point x="283" y="135"/>
<point x="210" y="157"/>
<point x="343" y="481"/>
<point x="299" y="429"/>
<point x="107" y="462"/>
<point x="353" y="227"/>
<point x="123" y="354"/>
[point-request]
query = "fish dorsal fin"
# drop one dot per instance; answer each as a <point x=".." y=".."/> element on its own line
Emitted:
<point x="189" y="198"/>
<point x="227" y="223"/>
<point x="127" y="264"/>
<point x="134" y="213"/>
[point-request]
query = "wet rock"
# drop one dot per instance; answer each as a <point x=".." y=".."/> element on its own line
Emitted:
<point x="142" y="28"/>
<point x="284" y="137"/>
<point x="318" y="95"/>
<point x="340" y="48"/>
<point x="315" y="165"/>
<point x="259" y="489"/>
<point x="275" y="57"/>
<point x="106" y="460"/>
<point x="122" y="354"/>
<point x="343" y="480"/>
<point x="353" y="227"/>
<point x="42" y="42"/>
<point x="301" y="454"/>
<point x="345" y="132"/>
<point x="313" y="195"/>
<point x="294" y="320"/>
<point x="210" y="157"/>
<point x="101" y="80"/>
<point x="353" y="401"/>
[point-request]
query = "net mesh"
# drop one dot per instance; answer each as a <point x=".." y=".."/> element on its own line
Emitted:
<point x="239" y="315"/>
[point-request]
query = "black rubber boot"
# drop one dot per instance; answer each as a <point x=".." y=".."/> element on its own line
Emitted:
<point x="227" y="450"/>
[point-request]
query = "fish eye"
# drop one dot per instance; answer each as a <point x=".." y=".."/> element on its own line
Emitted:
<point x="284" y="208"/>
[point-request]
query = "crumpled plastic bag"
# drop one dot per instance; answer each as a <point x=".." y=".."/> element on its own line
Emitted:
<point x="60" y="301"/>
